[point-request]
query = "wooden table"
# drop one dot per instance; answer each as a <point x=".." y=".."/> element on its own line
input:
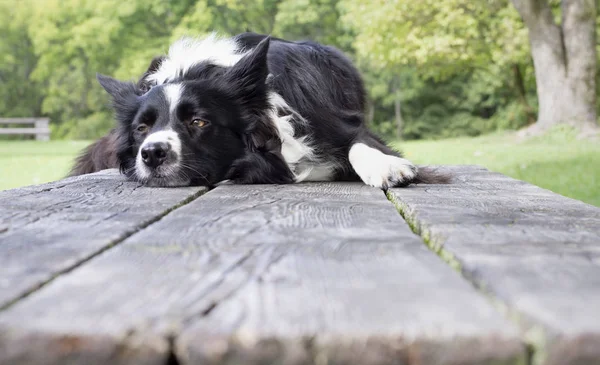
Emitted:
<point x="488" y="270"/>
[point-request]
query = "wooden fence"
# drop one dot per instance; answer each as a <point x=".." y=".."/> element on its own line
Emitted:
<point x="40" y="127"/>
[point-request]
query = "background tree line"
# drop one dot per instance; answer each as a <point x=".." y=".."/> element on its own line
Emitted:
<point x="433" y="68"/>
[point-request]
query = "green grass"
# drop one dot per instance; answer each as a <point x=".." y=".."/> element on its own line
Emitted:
<point x="30" y="162"/>
<point x="557" y="161"/>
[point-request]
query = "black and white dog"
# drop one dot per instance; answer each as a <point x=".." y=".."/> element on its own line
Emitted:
<point x="249" y="109"/>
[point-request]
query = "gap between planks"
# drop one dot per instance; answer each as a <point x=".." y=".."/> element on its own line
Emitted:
<point x="105" y="248"/>
<point x="532" y="338"/>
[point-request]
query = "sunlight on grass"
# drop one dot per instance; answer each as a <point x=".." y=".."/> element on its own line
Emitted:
<point x="557" y="162"/>
<point x="30" y="162"/>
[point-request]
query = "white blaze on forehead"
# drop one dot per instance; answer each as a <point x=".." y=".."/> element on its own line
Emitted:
<point x="187" y="52"/>
<point x="173" y="95"/>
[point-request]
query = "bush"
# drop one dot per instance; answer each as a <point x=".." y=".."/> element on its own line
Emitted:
<point x="91" y="127"/>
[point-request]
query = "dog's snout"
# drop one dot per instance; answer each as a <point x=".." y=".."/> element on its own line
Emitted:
<point x="155" y="153"/>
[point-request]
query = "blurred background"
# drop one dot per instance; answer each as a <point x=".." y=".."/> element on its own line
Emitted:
<point x="449" y="81"/>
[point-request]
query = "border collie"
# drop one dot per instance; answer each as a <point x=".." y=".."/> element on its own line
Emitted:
<point x="250" y="109"/>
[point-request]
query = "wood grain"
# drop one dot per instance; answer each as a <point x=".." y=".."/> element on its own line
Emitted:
<point x="304" y="274"/>
<point x="48" y="229"/>
<point x="534" y="251"/>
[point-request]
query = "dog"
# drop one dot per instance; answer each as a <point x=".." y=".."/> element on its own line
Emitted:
<point x="249" y="109"/>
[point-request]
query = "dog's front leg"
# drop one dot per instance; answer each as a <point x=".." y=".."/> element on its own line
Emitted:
<point x="378" y="169"/>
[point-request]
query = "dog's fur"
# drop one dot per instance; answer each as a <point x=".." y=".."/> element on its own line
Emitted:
<point x="250" y="109"/>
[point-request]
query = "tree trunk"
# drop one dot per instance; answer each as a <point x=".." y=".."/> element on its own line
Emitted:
<point x="564" y="58"/>
<point x="370" y="115"/>
<point x="520" y="86"/>
<point x="397" y="109"/>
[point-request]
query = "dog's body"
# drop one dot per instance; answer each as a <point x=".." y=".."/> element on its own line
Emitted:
<point x="250" y="109"/>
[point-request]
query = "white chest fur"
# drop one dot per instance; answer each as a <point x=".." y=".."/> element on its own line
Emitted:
<point x="297" y="151"/>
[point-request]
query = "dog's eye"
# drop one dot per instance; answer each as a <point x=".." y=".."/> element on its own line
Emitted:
<point x="142" y="128"/>
<point x="199" y="123"/>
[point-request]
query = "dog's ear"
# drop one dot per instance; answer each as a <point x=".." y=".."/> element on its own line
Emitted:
<point x="249" y="74"/>
<point x="124" y="98"/>
<point x="248" y="79"/>
<point x="115" y="88"/>
<point x="155" y="64"/>
<point x="143" y="84"/>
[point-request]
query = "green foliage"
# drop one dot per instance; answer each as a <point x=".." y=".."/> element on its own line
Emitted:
<point x="449" y="63"/>
<point x="317" y="20"/>
<point x="75" y="39"/>
<point x="234" y="16"/>
<point x="441" y="37"/>
<point x="19" y="95"/>
<point x="458" y="54"/>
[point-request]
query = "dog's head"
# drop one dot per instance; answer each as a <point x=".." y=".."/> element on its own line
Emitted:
<point x="191" y="129"/>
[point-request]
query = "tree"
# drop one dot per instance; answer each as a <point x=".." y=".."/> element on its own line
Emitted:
<point x="236" y="16"/>
<point x="441" y="37"/>
<point x="439" y="40"/>
<point x="564" y="56"/>
<point x="432" y="68"/>
<point x="397" y="108"/>
<point x="19" y="97"/>
<point x="75" y="39"/>
<point x="317" y="20"/>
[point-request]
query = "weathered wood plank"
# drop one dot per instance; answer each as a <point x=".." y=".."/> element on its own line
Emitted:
<point x="535" y="251"/>
<point x="48" y="229"/>
<point x="311" y="274"/>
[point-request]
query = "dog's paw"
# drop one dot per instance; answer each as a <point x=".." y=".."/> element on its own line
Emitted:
<point x="388" y="172"/>
<point x="380" y="170"/>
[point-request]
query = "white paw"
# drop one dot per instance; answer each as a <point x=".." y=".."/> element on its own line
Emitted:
<point x="378" y="169"/>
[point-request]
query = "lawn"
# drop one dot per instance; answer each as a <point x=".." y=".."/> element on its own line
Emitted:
<point x="558" y="161"/>
<point x="30" y="162"/>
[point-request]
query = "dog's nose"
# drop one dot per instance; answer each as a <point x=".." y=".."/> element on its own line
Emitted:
<point x="155" y="153"/>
